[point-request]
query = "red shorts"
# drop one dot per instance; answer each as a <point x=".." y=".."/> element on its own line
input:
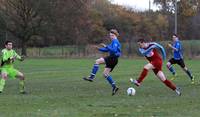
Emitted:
<point x="157" y="64"/>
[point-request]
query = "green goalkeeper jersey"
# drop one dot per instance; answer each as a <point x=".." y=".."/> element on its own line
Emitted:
<point x="6" y="56"/>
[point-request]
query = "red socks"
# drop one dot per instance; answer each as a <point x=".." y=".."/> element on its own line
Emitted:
<point x="142" y="75"/>
<point x="169" y="84"/>
<point x="166" y="82"/>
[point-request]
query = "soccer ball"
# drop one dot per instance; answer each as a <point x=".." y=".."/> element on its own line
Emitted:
<point x="131" y="91"/>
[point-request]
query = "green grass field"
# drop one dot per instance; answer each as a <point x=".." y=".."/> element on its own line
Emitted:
<point x="56" y="89"/>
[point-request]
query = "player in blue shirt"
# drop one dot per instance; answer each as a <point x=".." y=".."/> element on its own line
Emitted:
<point x="114" y="50"/>
<point x="178" y="58"/>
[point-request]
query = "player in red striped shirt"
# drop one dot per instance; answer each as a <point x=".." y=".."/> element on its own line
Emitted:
<point x="149" y="50"/>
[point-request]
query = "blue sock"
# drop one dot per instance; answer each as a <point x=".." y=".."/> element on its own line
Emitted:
<point x="94" y="71"/>
<point x="110" y="80"/>
<point x="172" y="70"/>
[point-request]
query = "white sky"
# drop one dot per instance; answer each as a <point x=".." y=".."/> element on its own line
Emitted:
<point x="136" y="4"/>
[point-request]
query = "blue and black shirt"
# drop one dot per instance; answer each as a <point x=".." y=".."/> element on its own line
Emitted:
<point x="114" y="48"/>
<point x="177" y="53"/>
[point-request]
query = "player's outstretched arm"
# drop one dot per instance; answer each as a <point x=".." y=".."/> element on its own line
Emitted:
<point x="155" y="45"/>
<point x="170" y="46"/>
<point x="102" y="44"/>
<point x="162" y="50"/>
<point x="104" y="48"/>
<point x="22" y="58"/>
<point x="95" y="47"/>
<point x="146" y="51"/>
<point x="18" y="57"/>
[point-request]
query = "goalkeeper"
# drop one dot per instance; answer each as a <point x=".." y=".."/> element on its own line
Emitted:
<point x="8" y="56"/>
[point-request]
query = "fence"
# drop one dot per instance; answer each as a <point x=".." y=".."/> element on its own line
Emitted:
<point x="191" y="49"/>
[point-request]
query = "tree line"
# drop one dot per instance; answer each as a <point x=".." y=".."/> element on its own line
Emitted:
<point x="40" y="23"/>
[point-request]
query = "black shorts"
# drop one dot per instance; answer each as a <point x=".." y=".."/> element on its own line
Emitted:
<point x="111" y="62"/>
<point x="180" y="62"/>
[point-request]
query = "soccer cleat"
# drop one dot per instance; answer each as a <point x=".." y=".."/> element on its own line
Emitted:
<point x="23" y="92"/>
<point x="192" y="80"/>
<point x="178" y="92"/>
<point x="174" y="76"/>
<point x="131" y="80"/>
<point x="88" y="79"/>
<point x="134" y="82"/>
<point x="114" y="90"/>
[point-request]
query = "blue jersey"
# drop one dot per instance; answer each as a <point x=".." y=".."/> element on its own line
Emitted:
<point x="114" y="48"/>
<point x="177" y="53"/>
<point x="149" y="51"/>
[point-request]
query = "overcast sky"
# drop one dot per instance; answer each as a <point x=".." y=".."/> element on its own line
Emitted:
<point x="136" y="4"/>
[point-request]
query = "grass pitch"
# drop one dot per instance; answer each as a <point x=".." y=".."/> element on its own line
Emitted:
<point x="56" y="89"/>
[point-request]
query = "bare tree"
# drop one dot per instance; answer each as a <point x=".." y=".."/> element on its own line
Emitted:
<point x="21" y="19"/>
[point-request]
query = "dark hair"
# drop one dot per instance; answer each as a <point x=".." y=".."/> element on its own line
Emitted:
<point x="8" y="41"/>
<point x="141" y="40"/>
<point x="115" y="32"/>
<point x="175" y="35"/>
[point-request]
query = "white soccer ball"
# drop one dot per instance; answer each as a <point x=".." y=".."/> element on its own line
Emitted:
<point x="131" y="91"/>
